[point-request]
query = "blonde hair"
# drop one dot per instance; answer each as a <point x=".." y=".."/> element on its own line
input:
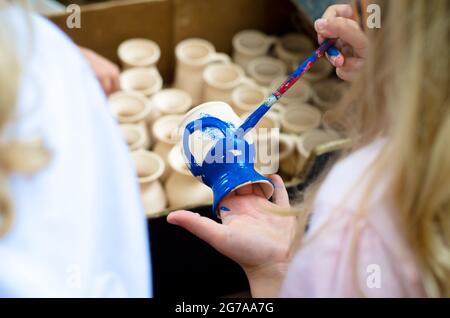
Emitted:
<point x="403" y="94"/>
<point x="16" y="156"/>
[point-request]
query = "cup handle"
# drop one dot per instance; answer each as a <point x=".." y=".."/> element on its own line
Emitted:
<point x="220" y="57"/>
<point x="204" y="122"/>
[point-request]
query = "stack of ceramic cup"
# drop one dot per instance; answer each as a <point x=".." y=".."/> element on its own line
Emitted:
<point x="149" y="112"/>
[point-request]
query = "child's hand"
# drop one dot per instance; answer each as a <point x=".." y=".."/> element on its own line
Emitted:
<point x="338" y="22"/>
<point x="107" y="72"/>
<point x="255" y="238"/>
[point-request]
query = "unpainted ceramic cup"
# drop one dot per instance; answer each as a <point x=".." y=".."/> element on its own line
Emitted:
<point x="293" y="48"/>
<point x="131" y="108"/>
<point x="297" y="119"/>
<point x="221" y="79"/>
<point x="136" y="136"/>
<point x="144" y="80"/>
<point x="248" y="98"/>
<point x="250" y="44"/>
<point x="309" y="141"/>
<point x="165" y="132"/>
<point x="192" y="57"/>
<point x="138" y="53"/>
<point x="328" y="93"/>
<point x="171" y="101"/>
<point x="150" y="168"/>
<point x="182" y="188"/>
<point x="265" y="69"/>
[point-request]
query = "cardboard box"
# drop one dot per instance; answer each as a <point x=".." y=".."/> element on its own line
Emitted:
<point x="182" y="264"/>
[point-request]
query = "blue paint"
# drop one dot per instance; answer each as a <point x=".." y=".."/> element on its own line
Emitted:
<point x="333" y="52"/>
<point x="228" y="164"/>
<point x="224" y="209"/>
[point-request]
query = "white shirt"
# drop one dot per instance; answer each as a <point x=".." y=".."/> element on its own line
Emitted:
<point x="79" y="228"/>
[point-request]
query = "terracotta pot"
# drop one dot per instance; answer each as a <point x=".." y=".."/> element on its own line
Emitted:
<point x="327" y="94"/>
<point x="171" y="101"/>
<point x="293" y="48"/>
<point x="250" y="44"/>
<point x="146" y="81"/>
<point x="131" y="108"/>
<point x="322" y="69"/>
<point x="221" y="79"/>
<point x="297" y="119"/>
<point x="136" y="136"/>
<point x="248" y="98"/>
<point x="166" y="134"/>
<point x="300" y="92"/>
<point x="309" y="141"/>
<point x="182" y="188"/>
<point x="149" y="168"/>
<point x="138" y="53"/>
<point x="193" y="55"/>
<point x="265" y="69"/>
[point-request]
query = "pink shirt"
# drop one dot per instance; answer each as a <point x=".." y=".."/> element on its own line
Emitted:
<point x="328" y="265"/>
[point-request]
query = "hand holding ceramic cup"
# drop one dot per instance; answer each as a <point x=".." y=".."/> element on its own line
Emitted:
<point x="221" y="79"/>
<point x="223" y="159"/>
<point x="250" y="44"/>
<point x="193" y="56"/>
<point x="265" y="69"/>
<point x="146" y="81"/>
<point x="293" y="48"/>
<point x="138" y="53"/>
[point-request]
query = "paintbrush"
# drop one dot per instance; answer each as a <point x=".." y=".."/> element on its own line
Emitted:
<point x="256" y="116"/>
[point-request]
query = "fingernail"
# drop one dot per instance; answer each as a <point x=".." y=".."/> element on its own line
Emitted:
<point x="224" y="209"/>
<point x="320" y="24"/>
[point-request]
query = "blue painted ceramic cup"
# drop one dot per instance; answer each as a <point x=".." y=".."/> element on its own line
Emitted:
<point x="216" y="154"/>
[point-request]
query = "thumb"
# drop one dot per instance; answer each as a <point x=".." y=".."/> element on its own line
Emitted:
<point x="205" y="228"/>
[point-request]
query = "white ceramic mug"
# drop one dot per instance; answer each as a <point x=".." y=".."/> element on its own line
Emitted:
<point x="293" y="48"/>
<point x="138" y="53"/>
<point x="248" y="98"/>
<point x="265" y="69"/>
<point x="300" y="92"/>
<point x="221" y="79"/>
<point x="192" y="57"/>
<point x="250" y="44"/>
<point x="144" y="80"/>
